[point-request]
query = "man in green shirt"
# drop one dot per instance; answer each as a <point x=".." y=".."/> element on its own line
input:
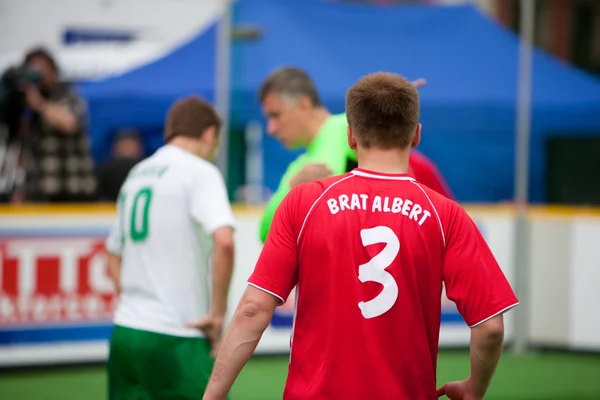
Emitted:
<point x="297" y="118"/>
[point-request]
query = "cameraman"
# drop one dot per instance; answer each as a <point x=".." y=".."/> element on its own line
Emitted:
<point x="57" y="163"/>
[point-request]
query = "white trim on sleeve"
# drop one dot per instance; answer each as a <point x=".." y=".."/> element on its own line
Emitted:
<point x="492" y="316"/>
<point x="268" y="291"/>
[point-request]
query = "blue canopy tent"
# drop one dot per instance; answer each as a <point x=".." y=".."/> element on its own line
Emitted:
<point x="468" y="105"/>
<point x="141" y="98"/>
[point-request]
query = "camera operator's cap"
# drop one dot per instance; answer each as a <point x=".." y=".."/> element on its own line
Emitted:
<point x="41" y="52"/>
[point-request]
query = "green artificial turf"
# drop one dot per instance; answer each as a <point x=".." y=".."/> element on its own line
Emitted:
<point x="547" y="376"/>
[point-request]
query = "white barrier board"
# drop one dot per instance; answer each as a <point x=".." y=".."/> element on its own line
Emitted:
<point x="56" y="299"/>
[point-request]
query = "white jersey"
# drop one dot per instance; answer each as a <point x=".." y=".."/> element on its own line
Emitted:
<point x="168" y="208"/>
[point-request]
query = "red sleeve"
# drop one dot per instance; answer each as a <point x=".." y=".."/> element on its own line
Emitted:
<point x="427" y="173"/>
<point x="276" y="271"/>
<point x="472" y="276"/>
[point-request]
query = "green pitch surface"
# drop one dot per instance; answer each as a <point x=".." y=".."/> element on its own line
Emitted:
<point x="546" y="376"/>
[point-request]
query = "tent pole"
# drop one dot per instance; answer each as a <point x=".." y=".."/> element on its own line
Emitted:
<point x="223" y="84"/>
<point x="523" y="126"/>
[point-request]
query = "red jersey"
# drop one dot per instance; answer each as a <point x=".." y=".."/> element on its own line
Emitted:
<point x="368" y="253"/>
<point x="425" y="172"/>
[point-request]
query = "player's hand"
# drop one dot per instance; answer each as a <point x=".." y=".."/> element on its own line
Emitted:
<point x="311" y="172"/>
<point x="418" y="83"/>
<point x="456" y="391"/>
<point x="212" y="327"/>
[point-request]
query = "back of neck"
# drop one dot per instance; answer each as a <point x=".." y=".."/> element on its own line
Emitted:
<point x="384" y="161"/>
<point x="190" y="145"/>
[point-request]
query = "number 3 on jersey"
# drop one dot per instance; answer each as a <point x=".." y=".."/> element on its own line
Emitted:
<point x="375" y="270"/>
<point x="138" y="228"/>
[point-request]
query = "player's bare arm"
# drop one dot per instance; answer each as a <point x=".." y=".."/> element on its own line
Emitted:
<point x="222" y="269"/>
<point x="251" y="318"/>
<point x="114" y="270"/>
<point x="486" y="348"/>
<point x="223" y="255"/>
<point x="476" y="283"/>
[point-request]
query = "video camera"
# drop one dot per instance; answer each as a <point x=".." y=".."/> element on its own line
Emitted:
<point x="12" y="100"/>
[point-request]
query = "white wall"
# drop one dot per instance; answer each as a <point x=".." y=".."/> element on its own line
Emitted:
<point x="563" y="297"/>
<point x="548" y="286"/>
<point x="584" y="284"/>
<point x="162" y="25"/>
<point x="24" y="23"/>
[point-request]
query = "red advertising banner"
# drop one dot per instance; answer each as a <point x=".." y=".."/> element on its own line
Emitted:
<point x="50" y="280"/>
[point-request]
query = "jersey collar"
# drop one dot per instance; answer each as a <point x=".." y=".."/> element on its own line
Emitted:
<point x="381" y="175"/>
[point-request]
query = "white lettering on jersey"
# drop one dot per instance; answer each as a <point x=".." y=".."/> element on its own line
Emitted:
<point x="355" y="202"/>
<point x="344" y="202"/>
<point x="426" y="215"/>
<point x="364" y="199"/>
<point x="406" y="208"/>
<point x="376" y="204"/>
<point x="333" y="207"/>
<point x="395" y="205"/>
<point x="386" y="204"/>
<point x="414" y="213"/>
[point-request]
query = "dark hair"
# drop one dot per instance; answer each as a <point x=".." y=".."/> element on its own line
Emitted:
<point x="291" y="81"/>
<point x="383" y="110"/>
<point x="126" y="133"/>
<point x="41" y="52"/>
<point x="190" y="117"/>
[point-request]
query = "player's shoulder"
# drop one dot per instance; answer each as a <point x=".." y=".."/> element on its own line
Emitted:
<point x="140" y="168"/>
<point x="185" y="166"/>
<point x="139" y="165"/>
<point x="325" y="184"/>
<point x="206" y="168"/>
<point x="450" y="213"/>
<point x="197" y="166"/>
<point x="311" y="191"/>
<point x="442" y="203"/>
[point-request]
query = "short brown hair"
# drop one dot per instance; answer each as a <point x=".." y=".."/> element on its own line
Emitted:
<point x="383" y="110"/>
<point x="41" y="52"/>
<point x="190" y="117"/>
<point x="290" y="81"/>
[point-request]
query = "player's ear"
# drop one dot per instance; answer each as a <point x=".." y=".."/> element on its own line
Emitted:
<point x="304" y="103"/>
<point x="210" y="134"/>
<point x="417" y="137"/>
<point x="351" y="138"/>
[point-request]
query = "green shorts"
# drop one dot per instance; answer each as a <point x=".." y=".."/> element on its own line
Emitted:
<point x="146" y="365"/>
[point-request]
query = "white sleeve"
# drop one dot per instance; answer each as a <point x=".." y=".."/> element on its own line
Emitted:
<point x="115" y="240"/>
<point x="209" y="202"/>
